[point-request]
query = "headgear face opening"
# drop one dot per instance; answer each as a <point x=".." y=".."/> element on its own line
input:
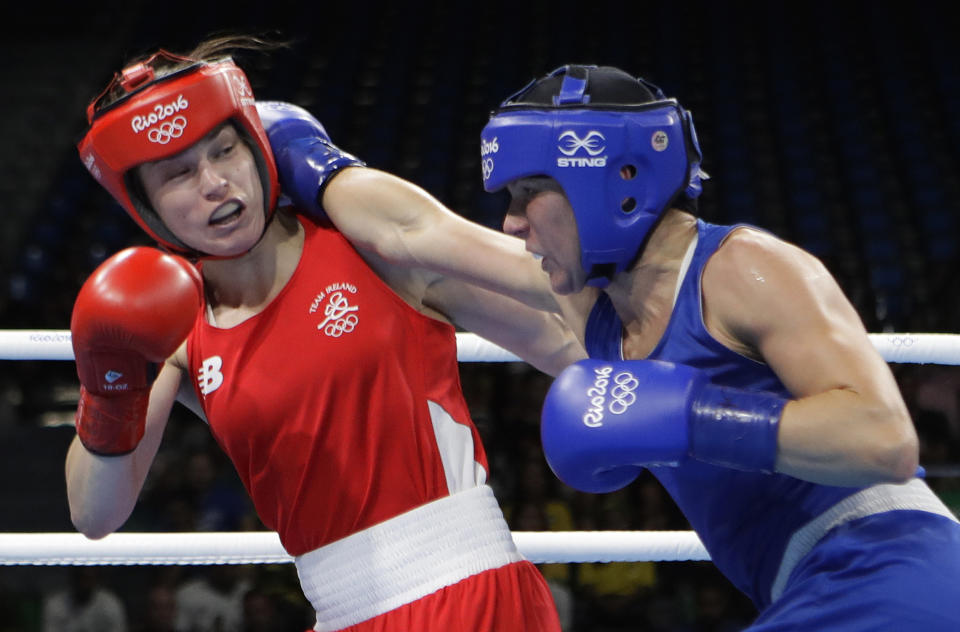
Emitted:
<point x="161" y="116"/>
<point x="619" y="148"/>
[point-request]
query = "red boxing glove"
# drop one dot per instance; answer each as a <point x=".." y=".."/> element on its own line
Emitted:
<point x="131" y="314"/>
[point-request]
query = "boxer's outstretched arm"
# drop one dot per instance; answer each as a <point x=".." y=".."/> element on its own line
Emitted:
<point x="540" y="338"/>
<point x="405" y="225"/>
<point x="392" y="218"/>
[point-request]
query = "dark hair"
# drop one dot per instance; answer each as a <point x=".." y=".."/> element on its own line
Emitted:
<point x="685" y="203"/>
<point x="165" y="62"/>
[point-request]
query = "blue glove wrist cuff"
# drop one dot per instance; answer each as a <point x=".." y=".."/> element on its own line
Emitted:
<point x="735" y="428"/>
<point x="312" y="162"/>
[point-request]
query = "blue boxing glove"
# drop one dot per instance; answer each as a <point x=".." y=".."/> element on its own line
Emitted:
<point x="602" y="422"/>
<point x="306" y="157"/>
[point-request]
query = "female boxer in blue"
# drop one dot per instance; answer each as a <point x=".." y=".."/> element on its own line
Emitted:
<point x="723" y="359"/>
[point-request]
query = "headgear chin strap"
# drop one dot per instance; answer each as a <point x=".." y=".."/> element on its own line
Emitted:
<point x="619" y="163"/>
<point x="161" y="116"/>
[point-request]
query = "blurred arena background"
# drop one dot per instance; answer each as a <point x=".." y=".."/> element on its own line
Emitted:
<point x="833" y="124"/>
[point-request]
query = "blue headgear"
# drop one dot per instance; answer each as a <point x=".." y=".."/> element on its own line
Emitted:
<point x="620" y="149"/>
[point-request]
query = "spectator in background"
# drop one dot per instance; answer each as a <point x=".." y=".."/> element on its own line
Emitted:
<point x="160" y="614"/>
<point x="940" y="454"/>
<point x="212" y="600"/>
<point x="531" y="515"/>
<point x="217" y="504"/>
<point x="85" y="605"/>
<point x="615" y="591"/>
<point x="261" y="612"/>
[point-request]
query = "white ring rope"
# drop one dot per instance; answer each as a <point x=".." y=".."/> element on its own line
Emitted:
<point x="263" y="547"/>
<point x="53" y="344"/>
<point x="49" y="549"/>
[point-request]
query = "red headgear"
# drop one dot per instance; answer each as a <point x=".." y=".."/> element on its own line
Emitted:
<point x="161" y="116"/>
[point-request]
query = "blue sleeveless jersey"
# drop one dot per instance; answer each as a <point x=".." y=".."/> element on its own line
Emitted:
<point x="743" y="518"/>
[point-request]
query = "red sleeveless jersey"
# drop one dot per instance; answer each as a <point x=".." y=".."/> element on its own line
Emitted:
<point x="339" y="404"/>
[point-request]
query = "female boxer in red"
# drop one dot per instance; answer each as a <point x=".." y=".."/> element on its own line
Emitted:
<point x="326" y="372"/>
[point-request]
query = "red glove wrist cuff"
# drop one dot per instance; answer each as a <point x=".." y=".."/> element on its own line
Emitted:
<point x="112" y="425"/>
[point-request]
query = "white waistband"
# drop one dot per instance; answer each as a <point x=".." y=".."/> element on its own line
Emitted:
<point x="913" y="495"/>
<point x="405" y="558"/>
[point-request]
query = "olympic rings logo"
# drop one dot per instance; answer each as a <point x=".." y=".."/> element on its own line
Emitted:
<point x="343" y="326"/>
<point x="487" y="166"/>
<point x="168" y="130"/>
<point x="623" y="393"/>
<point x="902" y="341"/>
